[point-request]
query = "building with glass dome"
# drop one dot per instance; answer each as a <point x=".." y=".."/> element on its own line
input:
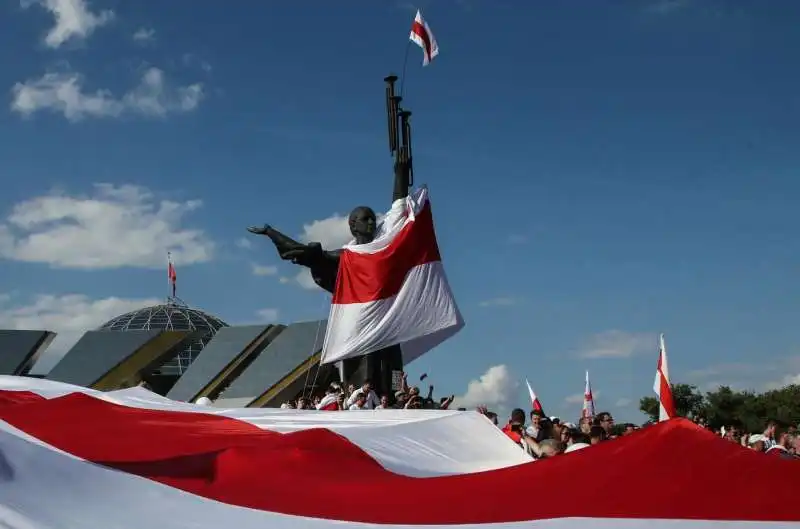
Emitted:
<point x="174" y="315"/>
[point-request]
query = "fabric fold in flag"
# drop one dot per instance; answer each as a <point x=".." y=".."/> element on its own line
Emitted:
<point x="422" y="36"/>
<point x="393" y="290"/>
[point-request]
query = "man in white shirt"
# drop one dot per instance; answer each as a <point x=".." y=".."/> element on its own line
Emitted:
<point x="370" y="398"/>
<point x="359" y="404"/>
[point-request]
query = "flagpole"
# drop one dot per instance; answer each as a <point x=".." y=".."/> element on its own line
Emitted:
<point x="405" y="67"/>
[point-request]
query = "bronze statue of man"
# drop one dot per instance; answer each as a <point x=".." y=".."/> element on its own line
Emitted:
<point x="324" y="264"/>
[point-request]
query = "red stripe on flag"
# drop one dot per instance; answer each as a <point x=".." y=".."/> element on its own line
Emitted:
<point x="317" y="473"/>
<point x="418" y="29"/>
<point x="372" y="277"/>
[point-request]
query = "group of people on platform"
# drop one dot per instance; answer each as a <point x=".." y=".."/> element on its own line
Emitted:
<point x="364" y="397"/>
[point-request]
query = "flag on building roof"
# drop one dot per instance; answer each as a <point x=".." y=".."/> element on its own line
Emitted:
<point x="393" y="290"/>
<point x="131" y="459"/>
<point x="588" y="400"/>
<point x="422" y="36"/>
<point x="172" y="276"/>
<point x="661" y="386"/>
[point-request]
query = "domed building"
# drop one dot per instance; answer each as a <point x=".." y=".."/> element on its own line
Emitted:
<point x="171" y="316"/>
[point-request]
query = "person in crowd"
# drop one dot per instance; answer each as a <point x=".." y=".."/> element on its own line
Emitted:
<point x="400" y="399"/>
<point x="359" y="403"/>
<point x="769" y="434"/>
<point x="516" y="425"/>
<point x="384" y="405"/>
<point x="629" y="428"/>
<point x="784" y="446"/>
<point x="370" y="398"/>
<point x="757" y="442"/>
<point x="538" y="428"/>
<point x="606" y="422"/>
<point x="330" y="402"/>
<point x="492" y="416"/>
<point x="585" y="425"/>
<point x="597" y="435"/>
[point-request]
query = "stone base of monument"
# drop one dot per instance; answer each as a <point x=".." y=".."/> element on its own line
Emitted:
<point x="381" y="368"/>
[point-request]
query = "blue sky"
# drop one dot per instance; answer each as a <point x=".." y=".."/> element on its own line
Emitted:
<point x="600" y="172"/>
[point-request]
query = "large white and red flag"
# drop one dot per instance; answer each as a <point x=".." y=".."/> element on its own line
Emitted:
<point x="588" y="400"/>
<point x="72" y="458"/>
<point x="536" y="405"/>
<point x="393" y="290"/>
<point x="666" y="404"/>
<point x="422" y="36"/>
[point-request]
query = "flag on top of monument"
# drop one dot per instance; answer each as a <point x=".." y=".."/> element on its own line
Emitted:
<point x="537" y="406"/>
<point x="666" y="404"/>
<point x="172" y="276"/>
<point x="588" y="400"/>
<point x="77" y="458"/>
<point x="422" y="36"/>
<point x="392" y="290"/>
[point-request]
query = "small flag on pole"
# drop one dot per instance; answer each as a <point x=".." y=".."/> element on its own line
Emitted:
<point x="422" y="36"/>
<point x="666" y="404"/>
<point x="588" y="400"/>
<point x="537" y="406"/>
<point x="172" y="277"/>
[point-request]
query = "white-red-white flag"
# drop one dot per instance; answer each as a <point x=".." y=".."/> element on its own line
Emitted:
<point x="588" y="400"/>
<point x="666" y="404"/>
<point x="422" y="36"/>
<point x="392" y="290"/>
<point x="537" y="406"/>
<point x="172" y="276"/>
<point x="75" y="458"/>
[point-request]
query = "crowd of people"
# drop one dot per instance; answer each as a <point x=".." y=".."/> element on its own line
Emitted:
<point x="549" y="436"/>
<point x="542" y="436"/>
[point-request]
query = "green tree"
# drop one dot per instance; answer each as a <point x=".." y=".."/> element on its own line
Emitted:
<point x="689" y="402"/>
<point x="727" y="407"/>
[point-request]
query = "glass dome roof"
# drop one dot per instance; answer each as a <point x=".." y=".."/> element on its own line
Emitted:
<point x="171" y="316"/>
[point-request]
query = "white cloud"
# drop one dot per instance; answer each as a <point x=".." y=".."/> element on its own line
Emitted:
<point x="623" y="402"/>
<point x="69" y="315"/>
<point x="261" y="270"/>
<point x="788" y="380"/>
<point x="244" y="243"/>
<point x="618" y="344"/>
<point x="577" y="398"/>
<point x="495" y="388"/>
<point x="267" y="315"/>
<point x="332" y="233"/>
<point x="111" y="228"/>
<point x="498" y="302"/>
<point x="64" y="93"/>
<point x="144" y="35"/>
<point x="73" y="20"/>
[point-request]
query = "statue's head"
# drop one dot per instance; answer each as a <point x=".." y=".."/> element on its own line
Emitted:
<point x="362" y="222"/>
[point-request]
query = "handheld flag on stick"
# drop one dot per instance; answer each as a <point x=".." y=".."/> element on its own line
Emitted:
<point x="172" y="277"/>
<point x="422" y="36"/>
<point x="537" y="406"/>
<point x="666" y="404"/>
<point x="588" y="400"/>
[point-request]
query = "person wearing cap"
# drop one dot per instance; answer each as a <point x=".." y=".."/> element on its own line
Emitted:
<point x="757" y="442"/>
<point x="400" y="399"/>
